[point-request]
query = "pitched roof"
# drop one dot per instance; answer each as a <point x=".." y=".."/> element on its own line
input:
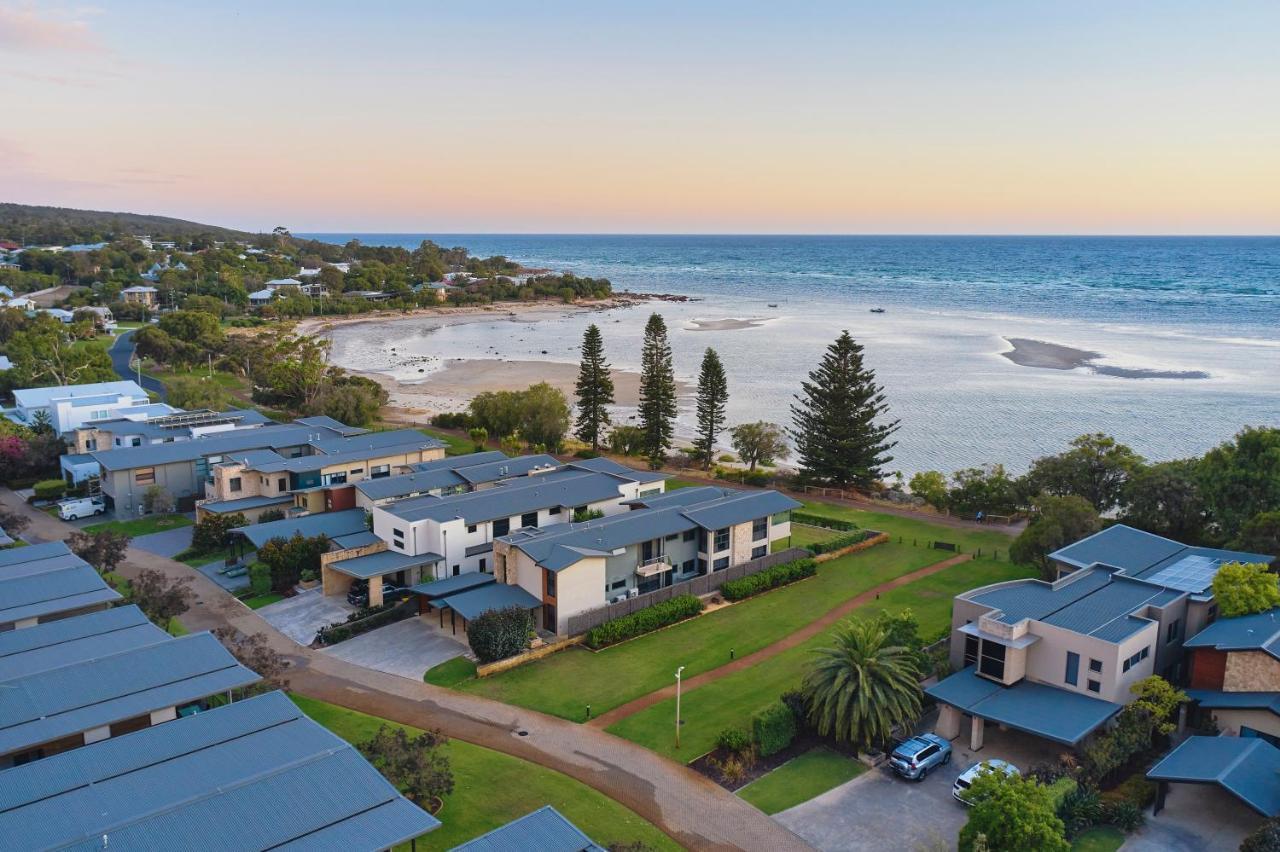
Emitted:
<point x="481" y="599"/>
<point x="227" y="507"/>
<point x="330" y="524"/>
<point x="382" y="562"/>
<point x="1257" y="632"/>
<point x="606" y="465"/>
<point x="56" y="581"/>
<point x="254" y="775"/>
<point x="545" y="830"/>
<point x="451" y="585"/>
<point x="73" y="640"/>
<point x="505" y="468"/>
<point x="429" y="476"/>
<point x="1218" y="700"/>
<point x="1246" y="767"/>
<point x="91" y="693"/>
<point x="512" y="497"/>
<point x="218" y="443"/>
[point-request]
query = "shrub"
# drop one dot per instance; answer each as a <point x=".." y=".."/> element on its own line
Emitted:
<point x="769" y="578"/>
<point x="50" y="489"/>
<point x="644" y="621"/>
<point x="1136" y="789"/>
<point x="259" y="578"/>
<point x="798" y="701"/>
<point x="820" y="521"/>
<point x="1265" y="838"/>
<point x="1079" y="810"/>
<point x="587" y="453"/>
<point x="733" y="741"/>
<point x="361" y="621"/>
<point x="1125" y="816"/>
<point x="213" y="532"/>
<point x="498" y="634"/>
<point x="453" y="420"/>
<point x="732" y="770"/>
<point x="157" y="500"/>
<point x="840" y="541"/>
<point x="773" y="728"/>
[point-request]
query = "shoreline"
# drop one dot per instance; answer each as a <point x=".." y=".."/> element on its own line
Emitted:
<point x="1040" y="354"/>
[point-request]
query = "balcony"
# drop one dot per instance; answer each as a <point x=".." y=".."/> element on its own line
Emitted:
<point x="477" y="549"/>
<point x="653" y="567"/>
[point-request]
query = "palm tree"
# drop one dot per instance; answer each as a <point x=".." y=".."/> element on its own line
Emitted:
<point x="861" y="688"/>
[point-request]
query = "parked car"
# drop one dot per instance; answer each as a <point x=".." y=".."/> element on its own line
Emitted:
<point x="914" y="758"/>
<point x="966" y="779"/>
<point x="80" y="507"/>
<point x="358" y="594"/>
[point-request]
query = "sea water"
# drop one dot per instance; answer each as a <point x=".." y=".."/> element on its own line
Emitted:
<point x="1186" y="304"/>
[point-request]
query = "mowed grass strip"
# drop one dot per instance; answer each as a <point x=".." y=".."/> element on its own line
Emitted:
<point x="142" y="526"/>
<point x="565" y="683"/>
<point x="731" y="701"/>
<point x="800" y="779"/>
<point x="491" y="789"/>
<point x="803" y="535"/>
<point x="919" y="530"/>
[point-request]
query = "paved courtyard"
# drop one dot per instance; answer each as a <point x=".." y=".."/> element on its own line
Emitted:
<point x="300" y="616"/>
<point x="407" y="648"/>
<point x="878" y="810"/>
<point x="166" y="542"/>
<point x="1196" y="818"/>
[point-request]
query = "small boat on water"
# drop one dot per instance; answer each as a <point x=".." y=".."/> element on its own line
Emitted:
<point x="773" y="304"/>
<point x="877" y="310"/>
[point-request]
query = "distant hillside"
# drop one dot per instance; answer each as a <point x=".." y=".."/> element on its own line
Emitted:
<point x="28" y="224"/>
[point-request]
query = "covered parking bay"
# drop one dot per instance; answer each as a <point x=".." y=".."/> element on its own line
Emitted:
<point x="477" y="600"/>
<point x="399" y="569"/>
<point x="1059" y="715"/>
<point x="1246" y="767"/>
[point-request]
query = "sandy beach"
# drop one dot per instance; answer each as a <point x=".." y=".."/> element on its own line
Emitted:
<point x="1055" y="356"/>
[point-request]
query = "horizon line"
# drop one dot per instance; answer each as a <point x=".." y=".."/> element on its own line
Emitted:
<point x="968" y="234"/>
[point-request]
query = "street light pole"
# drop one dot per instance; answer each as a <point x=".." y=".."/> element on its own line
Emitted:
<point x="678" y="673"/>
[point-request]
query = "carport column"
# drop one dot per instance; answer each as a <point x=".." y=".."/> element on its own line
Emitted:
<point x="948" y="722"/>
<point x="975" y="733"/>
<point x="375" y="590"/>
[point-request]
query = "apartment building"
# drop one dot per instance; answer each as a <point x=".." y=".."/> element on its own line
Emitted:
<point x="1058" y="659"/>
<point x="656" y="541"/>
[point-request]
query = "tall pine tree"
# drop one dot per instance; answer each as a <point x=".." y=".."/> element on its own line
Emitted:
<point x="594" y="389"/>
<point x="837" y="436"/>
<point x="657" y="391"/>
<point x="713" y="394"/>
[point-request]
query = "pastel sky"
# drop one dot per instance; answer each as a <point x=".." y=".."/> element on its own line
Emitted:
<point x="705" y="117"/>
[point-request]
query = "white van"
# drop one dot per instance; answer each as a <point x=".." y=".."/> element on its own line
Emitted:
<point x="80" y="507"/>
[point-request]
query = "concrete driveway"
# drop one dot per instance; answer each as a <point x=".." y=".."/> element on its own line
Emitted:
<point x="1196" y="817"/>
<point x="878" y="810"/>
<point x="166" y="542"/>
<point x="407" y="648"/>
<point x="300" y="616"/>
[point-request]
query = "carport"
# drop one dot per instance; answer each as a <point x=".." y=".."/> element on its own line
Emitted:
<point x="477" y="601"/>
<point x="432" y="592"/>
<point x="400" y="569"/>
<point x="1059" y="715"/>
<point x="1246" y="767"/>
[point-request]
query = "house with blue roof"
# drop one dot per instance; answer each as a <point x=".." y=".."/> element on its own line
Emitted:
<point x="1059" y="659"/>
<point x="544" y="830"/>
<point x="1234" y="678"/>
<point x="47" y="582"/>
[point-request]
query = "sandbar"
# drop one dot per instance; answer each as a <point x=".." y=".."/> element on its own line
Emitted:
<point x="1043" y="355"/>
<point x="726" y="324"/>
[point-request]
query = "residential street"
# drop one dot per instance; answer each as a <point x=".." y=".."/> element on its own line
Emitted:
<point x="690" y="808"/>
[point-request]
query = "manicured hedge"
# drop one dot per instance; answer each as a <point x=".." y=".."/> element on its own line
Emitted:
<point x="500" y="633"/>
<point x="362" y="621"/>
<point x="774" y="728"/>
<point x="769" y="578"/>
<point x="822" y="521"/>
<point x="644" y="621"/>
<point x="50" y="489"/>
<point x="840" y="541"/>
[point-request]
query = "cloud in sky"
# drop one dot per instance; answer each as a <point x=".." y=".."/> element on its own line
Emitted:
<point x="35" y="29"/>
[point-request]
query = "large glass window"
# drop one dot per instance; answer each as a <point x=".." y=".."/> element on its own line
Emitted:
<point x="722" y="540"/>
<point x="757" y="552"/>
<point x="970" y="650"/>
<point x="992" y="662"/>
<point x="502" y="526"/>
<point x="721" y="563"/>
<point x="1073" y="668"/>
<point x="551" y="582"/>
<point x="759" y="528"/>
<point x="529" y="519"/>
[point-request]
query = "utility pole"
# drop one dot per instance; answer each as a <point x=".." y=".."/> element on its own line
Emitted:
<point x="679" y="671"/>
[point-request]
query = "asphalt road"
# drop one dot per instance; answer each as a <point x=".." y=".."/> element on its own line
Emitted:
<point x="121" y="353"/>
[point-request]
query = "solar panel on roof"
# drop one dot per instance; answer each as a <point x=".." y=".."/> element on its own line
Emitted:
<point x="1188" y="574"/>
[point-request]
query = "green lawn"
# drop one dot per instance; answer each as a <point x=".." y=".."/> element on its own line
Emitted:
<point x="197" y="558"/>
<point x="1102" y="838"/>
<point x="177" y="628"/>
<point x="491" y="789"/>
<point x="458" y="445"/>
<point x="674" y="484"/>
<point x="800" y="779"/>
<point x="564" y="683"/>
<point x="142" y="526"/>
<point x="731" y="701"/>
<point x="917" y="529"/>
<point x="803" y="535"/>
<point x="258" y="601"/>
<point x="450" y="672"/>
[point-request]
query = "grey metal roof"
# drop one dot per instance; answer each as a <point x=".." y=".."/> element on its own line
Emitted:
<point x="351" y="450"/>
<point x="544" y="830"/>
<point x="606" y="465"/>
<point x="452" y="585"/>
<point x="482" y="599"/>
<point x="73" y="640"/>
<point x="1218" y="700"/>
<point x="1056" y="714"/>
<point x="253" y="775"/>
<point x="374" y="440"/>
<point x="505" y="468"/>
<point x="512" y="498"/>
<point x="382" y="562"/>
<point x="226" y="507"/>
<point x="408" y="484"/>
<point x="1121" y="546"/>
<point x="39" y="397"/>
<point x="1257" y="632"/>
<point x="1107" y="609"/>
<point x="91" y="693"/>
<point x="54" y="584"/>
<point x="682" y="497"/>
<point x="330" y="524"/>
<point x="465" y="460"/>
<point x="327" y="422"/>
<point x="363" y="538"/>
<point x="1246" y="767"/>
<point x="32" y="552"/>
<point x="739" y="507"/>
<point x="219" y="443"/>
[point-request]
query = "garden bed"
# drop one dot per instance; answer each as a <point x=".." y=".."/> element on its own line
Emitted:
<point x="804" y="742"/>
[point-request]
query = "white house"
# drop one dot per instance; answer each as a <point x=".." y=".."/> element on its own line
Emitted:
<point x="70" y="407"/>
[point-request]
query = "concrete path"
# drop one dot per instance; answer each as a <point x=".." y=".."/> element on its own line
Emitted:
<point x="689" y="807"/>
<point x="407" y="648"/>
<point x="300" y="616"/>
<point x="786" y="643"/>
<point x="166" y="542"/>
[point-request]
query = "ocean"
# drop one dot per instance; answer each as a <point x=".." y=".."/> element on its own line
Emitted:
<point x="1207" y="305"/>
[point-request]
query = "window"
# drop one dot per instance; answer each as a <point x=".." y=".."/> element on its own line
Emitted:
<point x="471" y="528"/>
<point x="689" y="535"/>
<point x="618" y="584"/>
<point x="721" y="563"/>
<point x="1146" y="652"/>
<point x="970" y="650"/>
<point x="554" y="510"/>
<point x="333" y="479"/>
<point x="378" y="471"/>
<point x="1095" y="666"/>
<point x="1136" y="658"/>
<point x="1073" y="668"/>
<point x="91" y="444"/>
<point x="1094" y="686"/>
<point x="992" y="662"/>
<point x="1213" y="614"/>
<point x="782" y="517"/>
<point x="759" y="528"/>
<point x="757" y="552"/>
<point x="356" y="471"/>
<point x="689" y="566"/>
<point x="282" y="484"/>
<point x="529" y="519"/>
<point x="551" y="582"/>
<point x="1175" y="630"/>
<point x="673" y="537"/>
<point x="233" y="484"/>
<point x="144" y="476"/>
<point x="483" y="565"/>
<point x="398" y="534"/>
<point x="502" y="526"/>
<point x="722" y="540"/>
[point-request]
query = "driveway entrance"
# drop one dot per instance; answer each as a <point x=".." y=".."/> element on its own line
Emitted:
<point x="300" y="616"/>
<point x="407" y="648"/>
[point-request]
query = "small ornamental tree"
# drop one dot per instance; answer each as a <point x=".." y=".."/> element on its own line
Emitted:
<point x="500" y="633"/>
<point x="157" y="500"/>
<point x="1242" y="589"/>
<point x="416" y="765"/>
<point x="759" y="443"/>
<point x="1012" y="814"/>
<point x="253" y="652"/>
<point x="213" y="532"/>
<point x="104" y="550"/>
<point x="160" y="598"/>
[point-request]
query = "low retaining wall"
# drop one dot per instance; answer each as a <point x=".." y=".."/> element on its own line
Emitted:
<point x="878" y="538"/>
<point x="486" y="669"/>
